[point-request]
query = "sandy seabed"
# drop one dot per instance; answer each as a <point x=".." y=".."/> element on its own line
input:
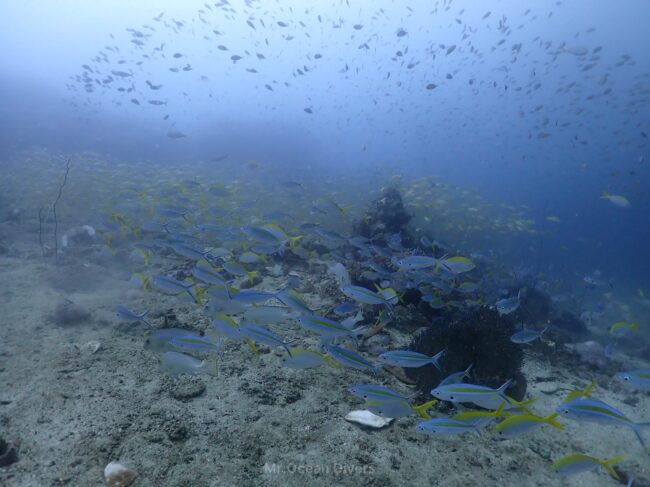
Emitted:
<point x="69" y="409"/>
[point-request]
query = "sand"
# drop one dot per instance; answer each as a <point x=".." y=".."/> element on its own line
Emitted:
<point x="70" y="408"/>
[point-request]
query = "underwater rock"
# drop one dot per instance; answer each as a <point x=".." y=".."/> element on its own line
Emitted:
<point x="186" y="388"/>
<point x="67" y="313"/>
<point x="570" y="323"/>
<point x="535" y="306"/>
<point x="367" y="419"/>
<point x="8" y="454"/>
<point x="91" y="347"/>
<point x="386" y="215"/>
<point x="377" y="344"/>
<point x="117" y="475"/>
<point x="590" y="353"/>
<point x="480" y="337"/>
<point x="408" y="318"/>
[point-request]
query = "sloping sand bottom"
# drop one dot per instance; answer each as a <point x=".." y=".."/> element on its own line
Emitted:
<point x="71" y="411"/>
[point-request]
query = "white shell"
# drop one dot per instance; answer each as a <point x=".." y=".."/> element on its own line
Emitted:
<point x="92" y="346"/>
<point x="366" y="418"/>
<point x="117" y="475"/>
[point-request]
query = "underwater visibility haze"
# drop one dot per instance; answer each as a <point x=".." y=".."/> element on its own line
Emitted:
<point x="338" y="242"/>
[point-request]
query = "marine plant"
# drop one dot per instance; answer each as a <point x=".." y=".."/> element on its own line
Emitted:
<point x="54" y="216"/>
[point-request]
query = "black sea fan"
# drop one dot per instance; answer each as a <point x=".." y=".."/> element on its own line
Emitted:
<point x="481" y="338"/>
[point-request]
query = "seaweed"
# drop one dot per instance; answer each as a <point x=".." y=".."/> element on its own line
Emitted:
<point x="480" y="337"/>
<point x="56" y="201"/>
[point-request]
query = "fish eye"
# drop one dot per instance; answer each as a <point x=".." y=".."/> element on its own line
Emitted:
<point x="565" y="411"/>
<point x="626" y="377"/>
<point x="451" y="397"/>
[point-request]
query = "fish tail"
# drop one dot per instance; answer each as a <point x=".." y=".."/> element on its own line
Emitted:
<point x="200" y="294"/>
<point x="345" y="209"/>
<point x="143" y="318"/>
<point x="587" y="391"/>
<point x="636" y="427"/>
<point x="501" y="390"/>
<point x="293" y="241"/>
<point x="435" y="359"/>
<point x="468" y="370"/>
<point x="523" y="404"/>
<point x="551" y="420"/>
<point x="212" y="367"/>
<point x="499" y="412"/>
<point x="251" y="345"/>
<point x="330" y="361"/>
<point x="421" y="409"/>
<point x="607" y="464"/>
<point x="376" y="369"/>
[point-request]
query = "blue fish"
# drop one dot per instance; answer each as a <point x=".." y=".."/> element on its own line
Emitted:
<point x="348" y="358"/>
<point x="508" y="305"/>
<point x="262" y="335"/>
<point x="196" y="343"/>
<point x="371" y="392"/>
<point x="595" y="411"/>
<point x="409" y="359"/>
<point x="175" y="287"/>
<point x="447" y="427"/>
<point x="636" y="379"/>
<point x="126" y="314"/>
<point x="524" y="337"/>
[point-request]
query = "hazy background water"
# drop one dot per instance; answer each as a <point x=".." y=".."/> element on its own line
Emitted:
<point x="524" y="125"/>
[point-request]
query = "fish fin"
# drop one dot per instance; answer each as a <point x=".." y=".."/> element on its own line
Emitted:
<point x="551" y="420"/>
<point x="523" y="405"/>
<point x="143" y="318"/>
<point x="636" y="427"/>
<point x="467" y="371"/>
<point x="502" y="390"/>
<point x="211" y="367"/>
<point x="587" y="391"/>
<point x="293" y="241"/>
<point x="251" y="345"/>
<point x="376" y="369"/>
<point x="437" y="357"/>
<point x="198" y="294"/>
<point x="421" y="409"/>
<point x="330" y="361"/>
<point x="499" y="410"/>
<point x="607" y="464"/>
